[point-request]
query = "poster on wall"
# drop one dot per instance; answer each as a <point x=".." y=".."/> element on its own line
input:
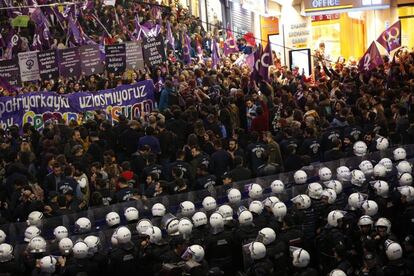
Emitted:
<point x="301" y="59"/>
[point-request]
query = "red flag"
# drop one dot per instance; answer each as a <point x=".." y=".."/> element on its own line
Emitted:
<point x="390" y="39"/>
<point x="371" y="59"/>
<point x="249" y="37"/>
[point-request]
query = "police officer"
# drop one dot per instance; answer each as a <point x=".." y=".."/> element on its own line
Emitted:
<point x="261" y="264"/>
<point x="81" y="264"/>
<point x="220" y="246"/>
<point x="300" y="262"/>
<point x="151" y="253"/>
<point x="96" y="253"/>
<point x="8" y="264"/>
<point x="201" y="229"/>
<point x="123" y="259"/>
<point x="195" y="264"/>
<point x="396" y="265"/>
<point x="277" y="251"/>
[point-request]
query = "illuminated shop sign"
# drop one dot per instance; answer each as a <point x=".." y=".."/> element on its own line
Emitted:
<point x="315" y="7"/>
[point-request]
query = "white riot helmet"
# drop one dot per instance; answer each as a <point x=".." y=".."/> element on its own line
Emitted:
<point x="355" y="200"/>
<point x="195" y="253"/>
<point x="245" y="217"/>
<point x="93" y="244"/>
<point x="279" y="210"/>
<point x="35" y="218"/>
<point x="366" y="167"/>
<point x="143" y="225"/>
<point x="399" y="154"/>
<point x="380" y="170"/>
<point x="381" y="188"/>
<point x="216" y="221"/>
<point x="2" y="236"/>
<point x="123" y="235"/>
<point x="112" y="219"/>
<point x="343" y="173"/>
<point x="393" y="250"/>
<point x="131" y="214"/>
<point x="37" y="245"/>
<point x="405" y="179"/>
<point x="199" y="219"/>
<point x="301" y="258"/>
<point x="187" y="208"/>
<point x="407" y="192"/>
<point x="185" y="227"/>
<point x="365" y="220"/>
<point x="60" y="232"/>
<point x="256" y="207"/>
<point x="80" y="250"/>
<point x="114" y="241"/>
<point x="357" y="178"/>
<point x="315" y="190"/>
<point x="83" y="225"/>
<point x="334" y="217"/>
<point x="172" y="226"/>
<point x="387" y="163"/>
<point x="226" y="211"/>
<point x="337" y="272"/>
<point x="155" y="234"/>
<point x="360" y="148"/>
<point x="277" y="187"/>
<point x="257" y="250"/>
<point x="270" y="201"/>
<point x="31" y="232"/>
<point x="330" y="194"/>
<point x="382" y="143"/>
<point x="302" y="201"/>
<point x="370" y="207"/>
<point x="300" y="177"/>
<point x="209" y="203"/>
<point x="266" y="236"/>
<point x="48" y="264"/>
<point x="334" y="185"/>
<point x="6" y="252"/>
<point x="383" y="222"/>
<point x="65" y="246"/>
<point x="255" y="191"/>
<point x="404" y="167"/>
<point x="234" y="195"/>
<point x="158" y="210"/>
<point x="325" y="174"/>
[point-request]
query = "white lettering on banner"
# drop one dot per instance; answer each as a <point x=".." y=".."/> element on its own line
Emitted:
<point x="325" y="3"/>
<point x="113" y="98"/>
<point x="33" y="102"/>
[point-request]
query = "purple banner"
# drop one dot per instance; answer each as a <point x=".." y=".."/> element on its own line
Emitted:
<point x="115" y="58"/>
<point x="9" y="71"/>
<point x="91" y="62"/>
<point x="153" y="50"/>
<point x="69" y="62"/>
<point x="371" y="59"/>
<point x="48" y="65"/>
<point x="37" y="108"/>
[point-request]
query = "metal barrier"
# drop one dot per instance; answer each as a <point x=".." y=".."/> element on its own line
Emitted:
<point x="15" y="231"/>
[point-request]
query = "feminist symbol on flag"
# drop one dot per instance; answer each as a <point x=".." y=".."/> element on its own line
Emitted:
<point x="391" y="38"/>
<point x="14" y="39"/>
<point x="367" y="61"/>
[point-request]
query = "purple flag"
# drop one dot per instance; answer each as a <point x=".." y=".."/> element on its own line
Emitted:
<point x="214" y="53"/>
<point x="7" y="86"/>
<point x="371" y="59"/>
<point x="170" y="37"/>
<point x="257" y="65"/>
<point x="149" y="30"/>
<point x="156" y="12"/>
<point x="250" y="61"/>
<point x="41" y="38"/>
<point x="74" y="34"/>
<point x="230" y="45"/>
<point x="265" y="62"/>
<point x="138" y="30"/>
<point x="390" y="39"/>
<point x="187" y="49"/>
<point x="13" y="44"/>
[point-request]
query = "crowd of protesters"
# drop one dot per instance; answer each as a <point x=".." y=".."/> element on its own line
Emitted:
<point x="213" y="125"/>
